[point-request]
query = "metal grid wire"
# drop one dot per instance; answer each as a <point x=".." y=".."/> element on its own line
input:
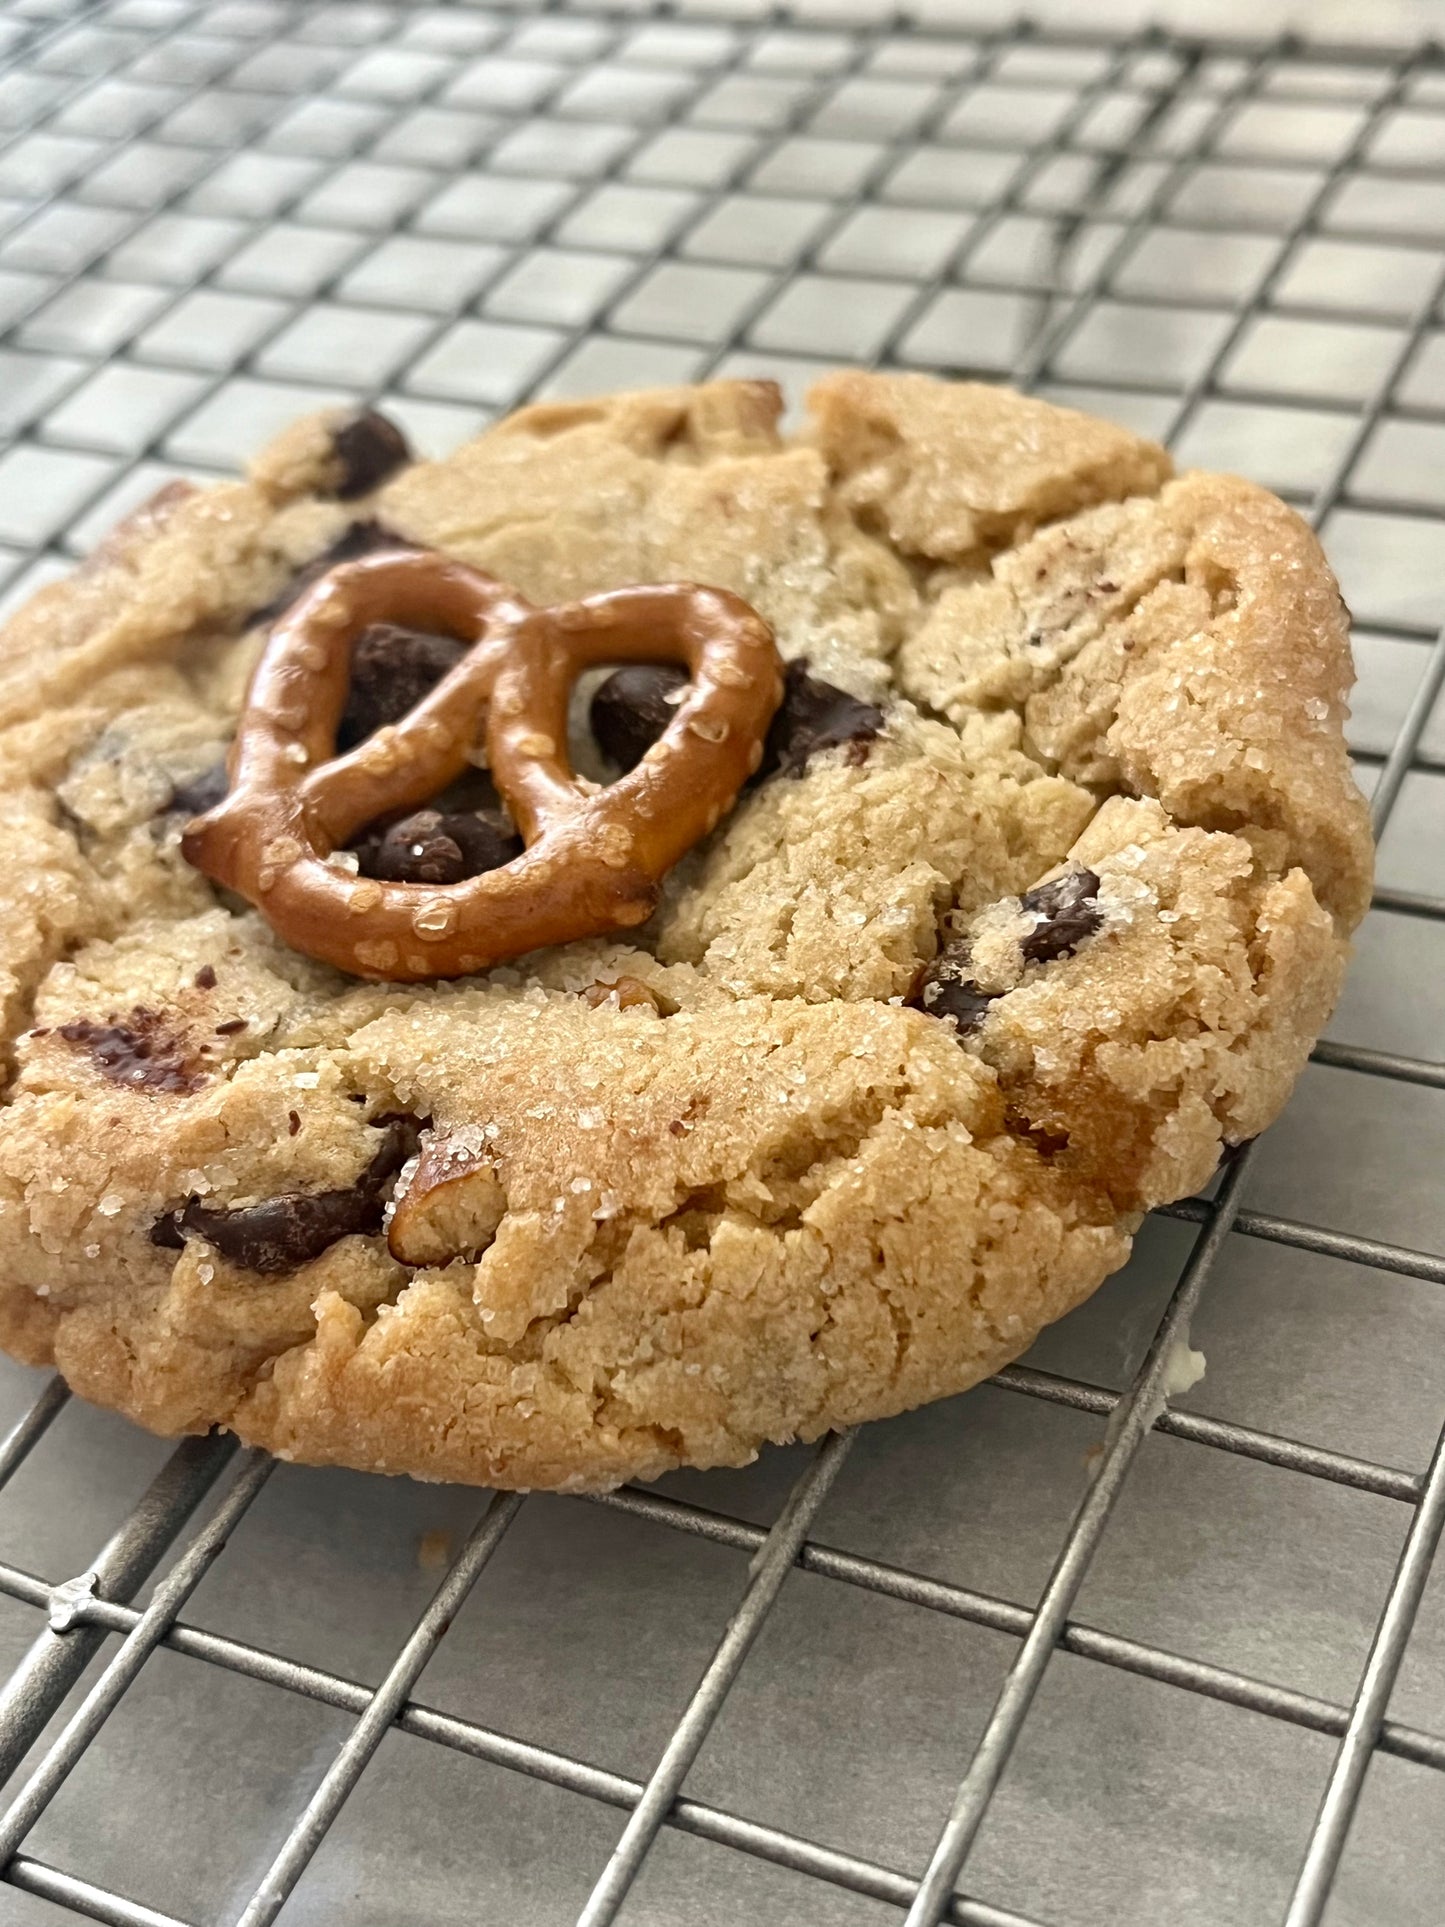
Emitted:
<point x="218" y="212"/>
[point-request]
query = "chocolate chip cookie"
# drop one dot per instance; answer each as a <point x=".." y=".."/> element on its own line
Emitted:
<point x="1031" y="872"/>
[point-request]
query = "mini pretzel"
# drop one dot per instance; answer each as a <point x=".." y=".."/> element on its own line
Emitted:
<point x="594" y="857"/>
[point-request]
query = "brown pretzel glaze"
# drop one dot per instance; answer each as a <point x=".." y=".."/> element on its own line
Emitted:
<point x="593" y="858"/>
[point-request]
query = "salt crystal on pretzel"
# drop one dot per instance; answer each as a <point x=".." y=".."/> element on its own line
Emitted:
<point x="593" y="858"/>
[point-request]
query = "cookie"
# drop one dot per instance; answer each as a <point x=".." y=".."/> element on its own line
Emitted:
<point x="1036" y="900"/>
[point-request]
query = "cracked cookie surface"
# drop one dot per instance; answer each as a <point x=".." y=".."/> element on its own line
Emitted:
<point x="1041" y="906"/>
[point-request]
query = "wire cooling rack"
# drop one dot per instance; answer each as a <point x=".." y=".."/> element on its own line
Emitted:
<point x="217" y="213"/>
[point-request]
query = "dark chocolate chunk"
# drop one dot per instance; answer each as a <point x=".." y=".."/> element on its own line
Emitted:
<point x="282" y="1233"/>
<point x="230" y="1027"/>
<point x="812" y="716"/>
<point x="1070" y="913"/>
<point x="964" y="1003"/>
<point x="945" y="988"/>
<point x="391" y="670"/>
<point x="142" y="1053"/>
<point x="355" y="540"/>
<point x="370" y="449"/>
<point x="403" y="1131"/>
<point x="202" y="792"/>
<point x="206" y="977"/>
<point x="631" y="709"/>
<point x="472" y="790"/>
<point x="435" y="846"/>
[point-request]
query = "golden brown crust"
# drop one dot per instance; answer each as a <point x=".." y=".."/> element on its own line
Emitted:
<point x="1190" y="646"/>
<point x="756" y="1195"/>
<point x="956" y="471"/>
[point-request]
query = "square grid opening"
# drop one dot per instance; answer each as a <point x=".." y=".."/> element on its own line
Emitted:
<point x="217" y="214"/>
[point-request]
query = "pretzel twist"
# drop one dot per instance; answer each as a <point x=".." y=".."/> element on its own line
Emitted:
<point x="594" y="858"/>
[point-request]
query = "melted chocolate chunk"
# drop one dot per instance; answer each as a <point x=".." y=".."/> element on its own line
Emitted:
<point x="472" y="790"/>
<point x="812" y="716"/>
<point x="357" y="539"/>
<point x="280" y="1234"/>
<point x="630" y="710"/>
<point x="435" y="846"/>
<point x="402" y="1141"/>
<point x="370" y="449"/>
<point x="143" y="1053"/>
<point x="945" y="989"/>
<point x="391" y="670"/>
<point x="1070" y="911"/>
<point x="203" y="792"/>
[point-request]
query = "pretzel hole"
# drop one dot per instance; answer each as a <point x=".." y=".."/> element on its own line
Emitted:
<point x="392" y="668"/>
<point x="465" y="828"/>
<point x="629" y="708"/>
